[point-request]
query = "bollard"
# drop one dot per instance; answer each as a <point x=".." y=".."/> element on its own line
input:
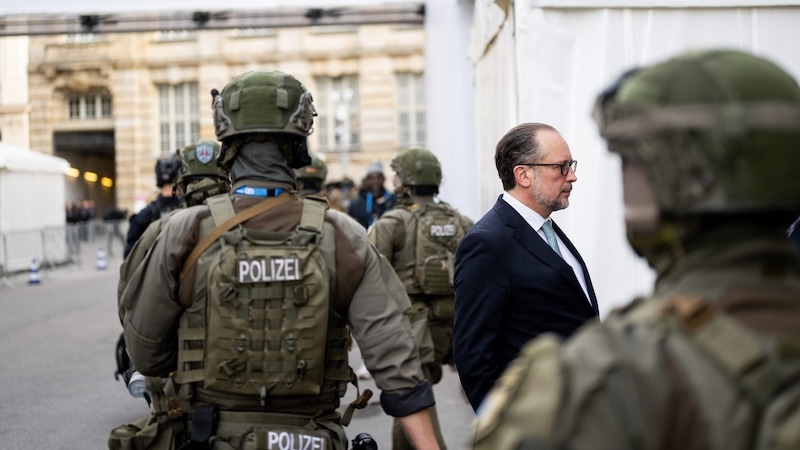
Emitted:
<point x="101" y="259"/>
<point x="33" y="278"/>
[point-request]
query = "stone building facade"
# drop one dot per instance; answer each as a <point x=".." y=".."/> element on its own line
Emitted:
<point x="113" y="103"/>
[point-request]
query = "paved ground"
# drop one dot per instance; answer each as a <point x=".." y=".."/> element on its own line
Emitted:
<point x="57" y="389"/>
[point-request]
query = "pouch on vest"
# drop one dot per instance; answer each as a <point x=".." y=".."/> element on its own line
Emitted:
<point x="154" y="432"/>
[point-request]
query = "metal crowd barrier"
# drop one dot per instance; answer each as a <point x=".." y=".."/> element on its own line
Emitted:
<point x="51" y="247"/>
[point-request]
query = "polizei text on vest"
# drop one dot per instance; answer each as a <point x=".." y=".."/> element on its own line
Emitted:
<point x="265" y="270"/>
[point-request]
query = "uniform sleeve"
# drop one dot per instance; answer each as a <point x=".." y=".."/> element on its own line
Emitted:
<point x="378" y="324"/>
<point x="386" y="234"/>
<point x="134" y="258"/>
<point x="481" y="294"/>
<point x="137" y="226"/>
<point x="151" y="324"/>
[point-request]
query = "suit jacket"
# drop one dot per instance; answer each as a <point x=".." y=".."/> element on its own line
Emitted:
<point x="510" y="286"/>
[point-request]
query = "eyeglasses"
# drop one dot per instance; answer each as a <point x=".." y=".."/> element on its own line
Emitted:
<point x="564" y="166"/>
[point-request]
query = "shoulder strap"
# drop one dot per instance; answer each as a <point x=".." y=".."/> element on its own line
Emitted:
<point x="750" y="359"/>
<point x="231" y="222"/>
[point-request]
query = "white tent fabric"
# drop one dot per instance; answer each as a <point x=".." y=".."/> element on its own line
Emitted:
<point x="560" y="56"/>
<point x="31" y="201"/>
<point x="18" y="159"/>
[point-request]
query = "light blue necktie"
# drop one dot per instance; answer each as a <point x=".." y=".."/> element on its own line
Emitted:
<point x="550" y="235"/>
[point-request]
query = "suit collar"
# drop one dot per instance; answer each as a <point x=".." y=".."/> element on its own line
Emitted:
<point x="530" y="240"/>
<point x="531" y="217"/>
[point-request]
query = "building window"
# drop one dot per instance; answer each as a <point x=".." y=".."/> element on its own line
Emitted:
<point x="178" y="116"/>
<point x="88" y="107"/>
<point x="338" y="124"/>
<point x="175" y="35"/>
<point x="82" y="38"/>
<point x="255" y="32"/>
<point x="411" y="110"/>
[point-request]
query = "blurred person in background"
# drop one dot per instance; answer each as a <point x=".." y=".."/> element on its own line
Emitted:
<point x="166" y="170"/>
<point x="373" y="199"/>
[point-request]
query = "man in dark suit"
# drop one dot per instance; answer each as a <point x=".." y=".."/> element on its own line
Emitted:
<point x="511" y="284"/>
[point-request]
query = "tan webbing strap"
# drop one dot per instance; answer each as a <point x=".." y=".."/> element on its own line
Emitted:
<point x="739" y="351"/>
<point x="361" y="402"/>
<point x="248" y="213"/>
<point x="185" y="337"/>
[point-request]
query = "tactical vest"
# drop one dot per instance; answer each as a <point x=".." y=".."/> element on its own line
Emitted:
<point x="754" y="402"/>
<point x="271" y="339"/>
<point x="763" y="368"/>
<point x="433" y="231"/>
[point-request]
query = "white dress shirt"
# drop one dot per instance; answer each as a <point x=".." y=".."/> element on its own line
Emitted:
<point x="536" y="221"/>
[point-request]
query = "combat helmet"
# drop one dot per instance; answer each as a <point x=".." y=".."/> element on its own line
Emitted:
<point x="311" y="178"/>
<point x="417" y="166"/>
<point x="166" y="171"/>
<point x="263" y="102"/>
<point x="199" y="175"/>
<point x="706" y="133"/>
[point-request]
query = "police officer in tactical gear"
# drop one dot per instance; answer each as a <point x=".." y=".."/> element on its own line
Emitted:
<point x="311" y="178"/>
<point x="244" y="302"/>
<point x="373" y="199"/>
<point x="166" y="171"/>
<point x="198" y="177"/>
<point x="419" y="237"/>
<point x="311" y="181"/>
<point x="709" y="143"/>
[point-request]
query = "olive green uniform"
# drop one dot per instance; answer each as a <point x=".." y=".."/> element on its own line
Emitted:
<point x="364" y="291"/>
<point x="394" y="236"/>
<point x="639" y="382"/>
<point x="135" y="257"/>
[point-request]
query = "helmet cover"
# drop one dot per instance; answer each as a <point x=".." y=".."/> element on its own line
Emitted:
<point x="712" y="132"/>
<point x="264" y="101"/>
<point x="417" y="166"/>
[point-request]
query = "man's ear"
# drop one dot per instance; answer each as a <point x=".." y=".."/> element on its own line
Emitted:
<point x="523" y="176"/>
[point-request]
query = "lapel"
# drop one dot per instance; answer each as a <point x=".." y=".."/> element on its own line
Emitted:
<point x="529" y="239"/>
<point x="589" y="287"/>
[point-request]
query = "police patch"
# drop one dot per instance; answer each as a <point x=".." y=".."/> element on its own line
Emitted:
<point x="263" y="270"/>
<point x="204" y="153"/>
<point x="446" y="230"/>
<point x="282" y="440"/>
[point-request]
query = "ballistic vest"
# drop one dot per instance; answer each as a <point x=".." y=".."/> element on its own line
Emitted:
<point x="425" y="264"/>
<point x="266" y="336"/>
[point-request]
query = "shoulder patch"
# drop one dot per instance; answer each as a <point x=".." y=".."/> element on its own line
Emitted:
<point x="204" y="153"/>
